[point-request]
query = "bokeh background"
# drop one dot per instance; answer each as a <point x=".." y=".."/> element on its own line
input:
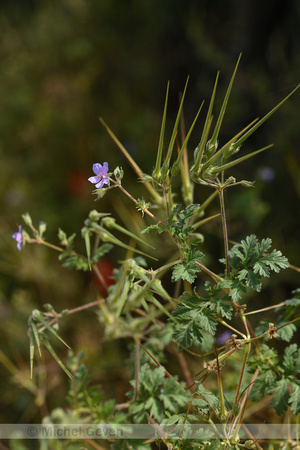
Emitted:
<point x="64" y="63"/>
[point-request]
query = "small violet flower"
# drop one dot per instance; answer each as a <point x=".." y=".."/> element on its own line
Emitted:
<point x="223" y="337"/>
<point x="18" y="237"/>
<point x="101" y="178"/>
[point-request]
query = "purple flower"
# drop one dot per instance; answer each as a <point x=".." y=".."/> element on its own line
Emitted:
<point x="18" y="237"/>
<point x="101" y="178"/>
<point x="224" y="337"/>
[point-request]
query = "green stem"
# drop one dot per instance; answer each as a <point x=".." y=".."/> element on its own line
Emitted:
<point x="246" y="354"/>
<point x="223" y="412"/>
<point x="137" y="367"/>
<point x="239" y="419"/>
<point x="41" y="241"/>
<point x="225" y="231"/>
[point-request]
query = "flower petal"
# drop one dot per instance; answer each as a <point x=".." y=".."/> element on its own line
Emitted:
<point x="93" y="179"/>
<point x="105" y="168"/>
<point x="97" y="168"/>
<point x="99" y="185"/>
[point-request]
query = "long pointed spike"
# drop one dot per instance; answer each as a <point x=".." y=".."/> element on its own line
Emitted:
<point x="222" y="150"/>
<point x="201" y="147"/>
<point x="36" y="335"/>
<point x="261" y="121"/>
<point x="224" y="105"/>
<point x="176" y="165"/>
<point x="106" y="236"/>
<point x="175" y="129"/>
<point x="109" y="222"/>
<point x="57" y="359"/>
<point x="239" y="160"/>
<point x="46" y="325"/>
<point x="131" y="161"/>
<point x="31" y="349"/>
<point x="86" y="235"/>
<point x="156" y="171"/>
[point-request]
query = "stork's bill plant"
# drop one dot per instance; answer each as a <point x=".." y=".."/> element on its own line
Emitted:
<point x="199" y="315"/>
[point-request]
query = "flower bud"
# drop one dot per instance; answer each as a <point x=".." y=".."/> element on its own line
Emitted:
<point x="27" y="219"/>
<point x="210" y="148"/>
<point x="231" y="150"/>
<point x="246" y="183"/>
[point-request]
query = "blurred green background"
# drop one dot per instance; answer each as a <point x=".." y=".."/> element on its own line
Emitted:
<point x="64" y="63"/>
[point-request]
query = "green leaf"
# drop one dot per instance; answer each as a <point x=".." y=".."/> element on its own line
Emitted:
<point x="237" y="290"/>
<point x="281" y="396"/>
<point x="224" y="309"/>
<point x="185" y="271"/>
<point x="208" y="396"/>
<point x="287" y="332"/>
<point x="100" y="252"/>
<point x="193" y="318"/>
<point x="157" y="395"/>
<point x="291" y="360"/>
<point x="157" y="227"/>
<point x="72" y="261"/>
<point x="258" y="389"/>
<point x="185" y="335"/>
<point x="249" y="262"/>
<point x="294" y="399"/>
<point x="207" y="323"/>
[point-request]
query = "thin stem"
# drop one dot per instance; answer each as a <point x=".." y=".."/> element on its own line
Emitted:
<point x="158" y="363"/>
<point x="137" y="361"/>
<point x="246" y="354"/>
<point x="215" y="277"/>
<point x="100" y="277"/>
<point x="239" y="419"/>
<point x="229" y="326"/>
<point x="74" y="310"/>
<point x="225" y="231"/>
<point x="135" y="201"/>
<point x="264" y="309"/>
<point x="41" y="241"/>
<point x="223" y="412"/>
<point x="82" y="307"/>
<point x="185" y="368"/>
